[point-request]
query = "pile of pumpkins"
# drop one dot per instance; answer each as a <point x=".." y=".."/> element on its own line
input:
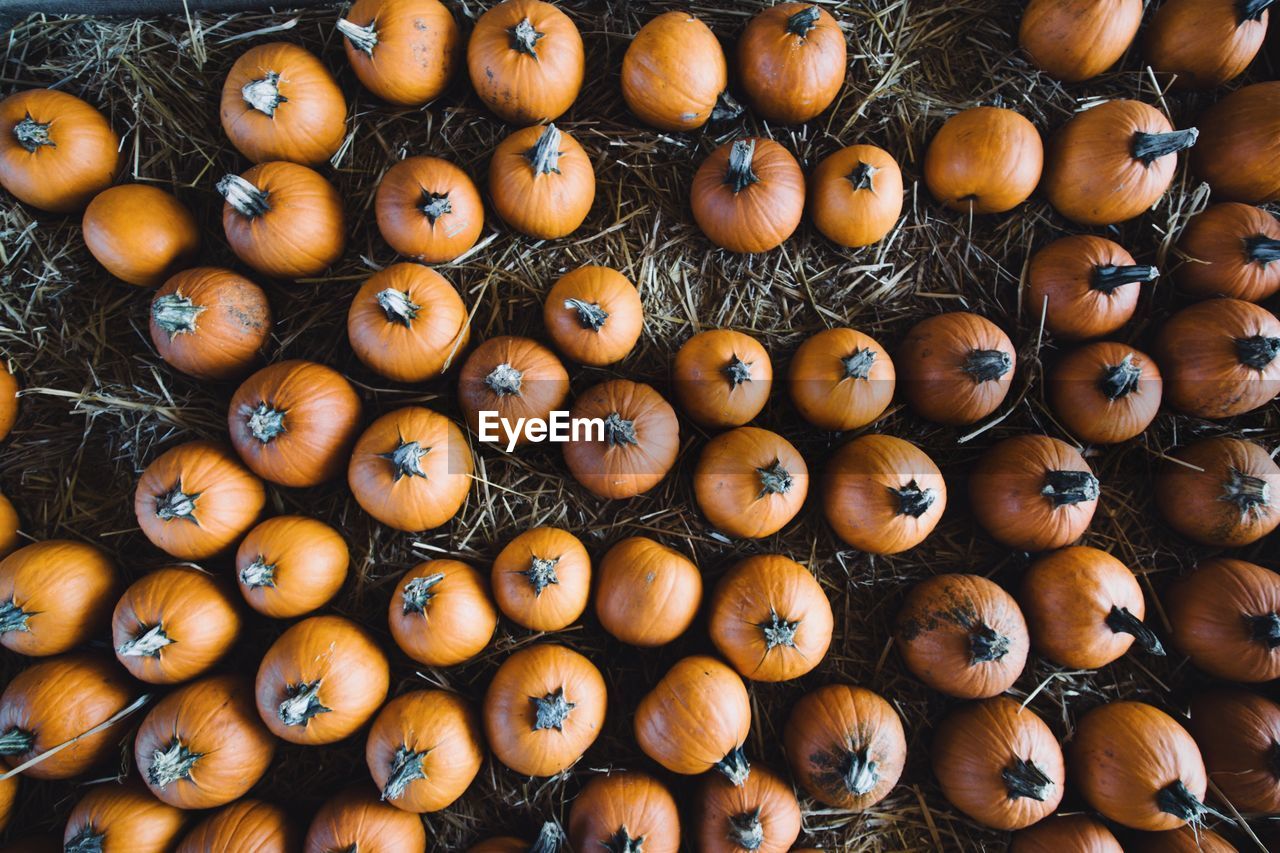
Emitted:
<point x="297" y="424"/>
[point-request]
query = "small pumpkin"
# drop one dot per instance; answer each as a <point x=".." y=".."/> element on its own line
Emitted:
<point x="291" y="565"/>
<point x="518" y="378"/>
<point x="1105" y="393"/>
<point x="636" y="445"/>
<point x="750" y="482"/>
<point x="112" y="817"/>
<point x="404" y="51"/>
<point x="441" y="613"/>
<point x="1084" y="286"/>
<point x="321" y="680"/>
<point x="791" y="61"/>
<point x="855" y="195"/>
<point x="594" y="315"/>
<point x="54" y="595"/>
<point x="408" y="323"/>
<point x="424" y="750"/>
<point x="1077" y="41"/>
<point x="625" y="810"/>
<point x="955" y="368"/>
<point x="1230" y="250"/>
<point x="140" y="233"/>
<point x="526" y="61"/>
<point x="210" y="323"/>
<point x="1223" y="492"/>
<point x="358" y="820"/>
<point x="748" y="195"/>
<point x="543" y="708"/>
<point x="846" y="746"/>
<point x="8" y="400"/>
<point x="647" y="594"/>
<point x="1205" y="43"/>
<point x="760" y="814"/>
<point x="9" y="538"/>
<point x="1187" y="839"/>
<point x="56" y="151"/>
<point x="1078" y="833"/>
<point x="243" y="825"/>
<point x="883" y="495"/>
<point x="542" y="181"/>
<point x="1238" y="155"/>
<point x="984" y="160"/>
<point x="428" y="209"/>
<point x="542" y="578"/>
<point x="722" y="378"/>
<point x="674" y="74"/>
<point x="963" y="636"/>
<point x="549" y="840"/>
<point x="1239" y="735"/>
<point x="841" y="379"/>
<point x="279" y="102"/>
<point x="999" y="763"/>
<point x="1225" y="616"/>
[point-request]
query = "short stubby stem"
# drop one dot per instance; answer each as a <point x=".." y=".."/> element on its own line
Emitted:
<point x="13" y="617"/>
<point x="860" y="773"/>
<point x="914" y="501"/>
<point x="619" y="431"/>
<point x="1066" y="488"/>
<point x="406" y="767"/>
<point x="727" y="108"/>
<point x="259" y="574"/>
<point x="735" y="766"/>
<point x="265" y="422"/>
<point x="862" y="177"/>
<point x="551" y="711"/>
<point x="147" y="642"/>
<point x="1249" y="493"/>
<point x="172" y="763"/>
<point x="1150" y="147"/>
<point x="406" y="460"/>
<point x="746" y="831"/>
<point x="263" y="94"/>
<point x="1257" y="351"/>
<point x="175" y="314"/>
<point x="524" y="38"/>
<point x="1023" y="779"/>
<point x="398" y="307"/>
<point x="435" y="205"/>
<point x="858" y="364"/>
<point x="419" y="592"/>
<point x="302" y="702"/>
<point x="986" y="644"/>
<point x="1260" y="249"/>
<point x="32" y="135"/>
<point x="362" y="38"/>
<point x="738" y="371"/>
<point x="175" y="504"/>
<point x="590" y="315"/>
<point x="778" y="631"/>
<point x="1109" y="277"/>
<point x="622" y="842"/>
<point x="774" y="480"/>
<point x="1120" y="380"/>
<point x="1121" y="621"/>
<point x="987" y="365"/>
<point x="544" y="156"/>
<point x="739" y="175"/>
<point x="244" y="198"/>
<point x="541" y="573"/>
<point x="505" y="380"/>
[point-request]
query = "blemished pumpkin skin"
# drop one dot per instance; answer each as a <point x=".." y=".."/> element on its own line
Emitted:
<point x="55" y="700"/>
<point x="1138" y="767"/>
<point x="955" y="368"/>
<point x="411" y="469"/>
<point x="760" y="814"/>
<point x="542" y="182"/>
<point x="846" y="746"/>
<point x="1033" y="493"/>
<point x="8" y="400"/>
<point x="516" y="377"/>
<point x="722" y="378"/>
<point x="408" y="323"/>
<point x="424" y="750"/>
<point x="1084" y="286"/>
<point x="9" y="523"/>
<point x="748" y="195"/>
<point x="770" y="618"/>
<point x="791" y="61"/>
<point x="404" y="51"/>
<point x="321" y="680"/>
<point x="210" y="323"/>
<point x="291" y="565"/>
<point x="984" y="160"/>
<point x="1080" y="39"/>
<point x="1238" y="154"/>
<point x="625" y="810"/>
<point x="548" y="841"/>
<point x="883" y="495"/>
<point x="280" y="102"/>
<point x="594" y="315"/>
<point x="647" y="594"/>
<point x="56" y="151"/>
<point x="1112" y="162"/>
<point x="1225" y="616"/>
<point x="54" y="595"/>
<point x="750" y="482"/>
<point x="1105" y="393"/>
<point x="1239" y="736"/>
<point x="542" y="578"/>
<point x="963" y="636"/>
<point x="1187" y="839"/>
<point x="357" y="820"/>
<point x="1205" y="43"/>
<point x="526" y="61"/>
<point x="174" y="624"/>
<point x="1230" y="249"/>
<point x="544" y="707"/>
<point x="140" y="233"/>
<point x="674" y="74"/>
<point x="245" y="826"/>
<point x="441" y="613"/>
<point x="1076" y="833"/>
<point x="855" y="195"/>
<point x="428" y="209"/>
<point x="197" y="500"/>
<point x="116" y="818"/>
<point x="1221" y="491"/>
<point x="841" y="379"/>
<point x="640" y="443"/>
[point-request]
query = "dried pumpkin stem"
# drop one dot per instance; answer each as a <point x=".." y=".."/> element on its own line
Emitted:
<point x="176" y="503"/>
<point x="541" y="573"/>
<point x="1176" y="799"/>
<point x="1265" y="629"/>
<point x="590" y="315"/>
<point x="1120" y="380"/>
<point x="738" y="371"/>
<point x="302" y="702"/>
<point x="746" y="831"/>
<point x="1065" y="488"/>
<point x="1251" y="10"/>
<point x="1109" y="277"/>
<point x="175" y="314"/>
<point x="32" y="135"/>
<point x="619" y="431"/>
<point x="13" y="617"/>
<point x="265" y="421"/>
<point x="544" y="156"/>
<point x="85" y="841"/>
<point x="1121" y="621"/>
<point x="146" y="643"/>
<point x="172" y="763"/>
<point x="986" y="644"/>
<point x="524" y="38"/>
<point x="419" y="592"/>
<point x="778" y="631"/>
<point x="1150" y="147"/>
<point x="505" y="380"/>
<point x="987" y="365"/>
<point x="1257" y="351"/>
<point x="435" y="205"/>
<point x="803" y="21"/>
<point x="398" y="307"/>
<point x="549" y="839"/>
<point x="1023" y="779"/>
<point x="361" y="38"/>
<point x="406" y="767"/>
<point x="406" y="459"/>
<point x="622" y="842"/>
<point x="861" y="176"/>
<point x="263" y="94"/>
<point x="774" y="480"/>
<point x="244" y="198"/>
<point x="859" y="772"/>
<point x="16" y="741"/>
<point x="739" y="175"/>
<point x="1261" y="249"/>
<point x="727" y="107"/>
<point x="735" y="766"/>
<point x="551" y="711"/>
<point x="259" y="574"/>
<point x="858" y="364"/>
<point x="914" y="501"/>
<point x="1249" y="493"/>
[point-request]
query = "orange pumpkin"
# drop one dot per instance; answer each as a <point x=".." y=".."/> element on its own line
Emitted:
<point x="56" y="151"/>
<point x="791" y="60"/>
<point x="1223" y="492"/>
<point x="113" y="817"/>
<point x="8" y="400"/>
<point x="750" y="482"/>
<point x="955" y="368"/>
<point x="424" y="750"/>
<point x="841" y="379"/>
<point x="984" y="160"/>
<point x="548" y="841"/>
<point x="1205" y="43"/>
<point x="210" y="323"/>
<point x="8" y="795"/>
<point x="1077" y="833"/>
<point x="1084" y="286"/>
<point x="1238" y="733"/>
<point x="1187" y="839"/>
<point x="1078" y="40"/>
<point x="1225" y="616"/>
<point x="1238" y="154"/>
<point x="625" y="810"/>
<point x="594" y="315"/>
<point x="140" y="233"/>
<point x="9" y="523"/>
<point x="883" y="495"/>
<point x="855" y="195"/>
<point x="674" y="74"/>
<point x="541" y="181"/>
<point x="427" y="208"/>
<point x="357" y="820"/>
<point x="526" y="61"/>
<point x="518" y="378"/>
<point x="722" y="378"/>
<point x="542" y="578"/>
<point x="54" y="596"/>
<point x="404" y="51"/>
<point x="441" y="613"/>
<point x="748" y="195"/>
<point x="1105" y="392"/>
<point x="1230" y="250"/>
<point x="647" y="594"/>
<point x="243" y="825"/>
<point x="636" y="447"/>
<point x="760" y="814"/>
<point x="291" y="565"/>
<point x="408" y="323"/>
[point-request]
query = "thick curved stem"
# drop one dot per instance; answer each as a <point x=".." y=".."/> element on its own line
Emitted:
<point x="619" y="431"/>
<point x="857" y="365"/>
<point x="1176" y="799"/>
<point x="244" y="198"/>
<point x="549" y="839"/>
<point x="1258" y="351"/>
<point x="1065" y="488"/>
<point x="419" y="592"/>
<point x="175" y="314"/>
<point x="16" y="741"/>
<point x="551" y="711"/>
<point x="523" y="38"/>
<point x="362" y="38"/>
<point x="1265" y="629"/>
<point x="406" y="459"/>
<point x="774" y="480"/>
<point x="862" y="176"/>
<point x="172" y="763"/>
<point x="800" y="23"/>
<point x="1023" y="778"/>
<point x="987" y="365"/>
<point x="590" y="315"/>
<point x="146" y="643"/>
<point x="738" y="371"/>
<point x="541" y="573"/>
<point x="1260" y="249"/>
<point x="778" y="631"/>
<point x="746" y="831"/>
<point x="914" y="501"/>
<point x="302" y="702"/>
<point x="32" y="135"/>
<point x="263" y="94"/>
<point x="505" y="380"/>
<point x="735" y="766"/>
<point x="739" y="175"/>
<point x="1150" y="147"/>
<point x="1121" y="621"/>
<point x="265" y="422"/>
<point x="1249" y="493"/>
<point x="544" y="156"/>
<point x="1108" y="277"/>
<point x="727" y="108"/>
<point x="859" y="772"/>
<point x="406" y="767"/>
<point x="986" y="644"/>
<point x="13" y="617"/>
<point x="435" y="205"/>
<point x="175" y="504"/>
<point x="398" y="307"/>
<point x="1251" y="10"/>
<point x="1120" y="380"/>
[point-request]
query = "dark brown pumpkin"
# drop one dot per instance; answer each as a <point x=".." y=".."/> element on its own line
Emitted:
<point x="748" y="195"/>
<point x="1225" y="616"/>
<point x="1084" y="286"/>
<point x="1105" y="393"/>
<point x="1205" y="43"/>
<point x="1239" y="154"/>
<point x="1239" y="735"/>
<point x="1222" y="491"/>
<point x="791" y="61"/>
<point x="955" y="368"/>
<point x="1230" y="250"/>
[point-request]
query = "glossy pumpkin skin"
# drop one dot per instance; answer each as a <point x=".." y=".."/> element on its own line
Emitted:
<point x="174" y="624"/>
<point x="963" y="636"/>
<point x="1237" y="732"/>
<point x="1076" y="833"/>
<point x="1224" y="616"/>
<point x="750" y="482"/>
<point x="1105" y="393"/>
<point x="526" y="61"/>
<point x="955" y="368"/>
<point x="984" y="160"/>
<point x="674" y="73"/>
<point x="696" y="718"/>
<point x="424" y="750"/>
<point x="855" y="195"/>
<point x="841" y="379"/>
<point x="140" y="233"/>
<point x="748" y="195"/>
<point x="846" y="746"/>
<point x="1231" y="250"/>
<point x="358" y="819"/>
<point x="542" y="578"/>
<point x="54" y="595"/>
<point x="1080" y="39"/>
<point x="640" y="444"/>
<point x="9" y="523"/>
<point x="8" y="400"/>
<point x="291" y="565"/>
<point x="791" y="61"/>
<point x="1230" y="498"/>
<point x="543" y="708"/>
<point x="280" y="102"/>
<point x="1220" y="358"/>
<point x="594" y="315"/>
<point x="116" y="818"/>
<point x="1238" y="154"/>
<point x="542" y="181"/>
<point x="441" y="613"/>
<point x="321" y="680"/>
<point x="210" y="323"/>
<point x="761" y="814"/>
<point x="408" y="323"/>
<point x="515" y="377"/>
<point x="722" y="378"/>
<point x="1200" y="839"/>
<point x="428" y="209"/>
<point x="1205" y="43"/>
<point x="245" y="825"/>
<point x="646" y="594"/>
<point x="883" y="495"/>
<point x="628" y="808"/>
<point x="404" y="51"/>
<point x="66" y="155"/>
<point x="1084" y="286"/>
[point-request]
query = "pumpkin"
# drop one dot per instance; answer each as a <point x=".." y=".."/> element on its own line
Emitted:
<point x="140" y="233"/>
<point x="883" y="495"/>
<point x="633" y="447"/>
<point x="291" y="565"/>
<point x="646" y="594"/>
<point x="1187" y="839"/>
<point x="54" y="596"/>
<point x="1239" y="735"/>
<point x="210" y="323"/>
<point x="243" y="825"/>
<point x="1238" y="155"/>
<point x="791" y="61"/>
<point x="594" y="315"/>
<point x="1076" y="833"/>
<point x="9" y="794"/>
<point x="112" y="817"/>
<point x="1220" y="358"/>
<point x="955" y="368"/>
<point x="526" y="61"/>
<point x="8" y="400"/>
<point x="411" y="469"/>
<point x="544" y="707"/>
<point x="408" y="323"/>
<point x="674" y="74"/>
<point x="9" y="538"/>
<point x="1205" y="43"/>
<point x="696" y="718"/>
<point x="542" y="578"/>
<point x="427" y="208"/>
<point x="404" y="51"/>
<point x="541" y="181"/>
<point x="56" y="701"/>
<point x="279" y="102"/>
<point x="518" y="378"/>
<point x="56" y="151"/>
<point x="760" y="814"/>
<point x="1225" y="616"/>
<point x="750" y="482"/>
<point x="203" y="746"/>
<point x="625" y="810"/>
<point x="999" y="763"/>
<point x="841" y="379"/>
<point x="173" y="624"/>
<point x="855" y="195"/>
<point x="1084" y="286"/>
<point x="1112" y="162"/>
<point x="846" y="746"/>
<point x="1033" y="493"/>
<point x="321" y="680"/>
<point x="196" y="500"/>
<point x="1105" y="393"/>
<point x="963" y="636"/>
<point x="1079" y="40"/>
<point x="548" y="841"/>
<point x="1221" y="491"/>
<point x="357" y="820"/>
<point x="1230" y="250"/>
<point x="984" y="160"/>
<point x="770" y="618"/>
<point x="1138" y="767"/>
<point x="748" y="195"/>
<point x="283" y="220"/>
<point x="722" y="378"/>
<point x="441" y="613"/>
<point x="424" y="750"/>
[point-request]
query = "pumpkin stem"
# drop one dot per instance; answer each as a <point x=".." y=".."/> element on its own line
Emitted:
<point x="1177" y="800"/>
<point x="265" y="421"/>
<point x="85" y="841"/>
<point x="435" y="205"/>
<point x="738" y="371"/>
<point x="175" y="314"/>
<point x="398" y="307"/>
<point x="544" y="156"/>
<point x="1249" y="493"/>
<point x="550" y="837"/>
<point x="618" y="430"/>
<point x="913" y="500"/>
<point x="727" y="107"/>
<point x="739" y="174"/>
<point x="1265" y="629"/>
<point x="778" y="631"/>
<point x="1258" y="351"/>
<point x="406" y="459"/>
<point x="361" y="38"/>
<point x="590" y="314"/>
<point x="1109" y="277"/>
<point x="146" y="643"/>
<point x="1023" y="778"/>
<point x="550" y="711"/>
<point x="774" y="480"/>
<point x="541" y="573"/>
<point x="171" y="764"/>
<point x="16" y="741"/>
<point x="244" y="197"/>
<point x="419" y="592"/>
<point x="987" y="365"/>
<point x="504" y="380"/>
<point x="524" y="38"/>
<point x="735" y="766"/>
<point x="32" y="135"/>
<point x="1064" y="488"/>
<point x="176" y="503"/>
<point x="622" y="842"/>
<point x="1121" y="621"/>
<point x="1261" y="249"/>
<point x="1251" y="10"/>
<point x="1150" y="147"/>
<point x="746" y="830"/>
<point x="13" y="617"/>
<point x="861" y="176"/>
<point x="1120" y="380"/>
<point x="801" y="22"/>
<point x="858" y="364"/>
<point x="986" y="644"/>
<point x="302" y="702"/>
<point x="263" y="94"/>
<point x="258" y="574"/>
<point x="859" y="773"/>
<point x="406" y="767"/>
